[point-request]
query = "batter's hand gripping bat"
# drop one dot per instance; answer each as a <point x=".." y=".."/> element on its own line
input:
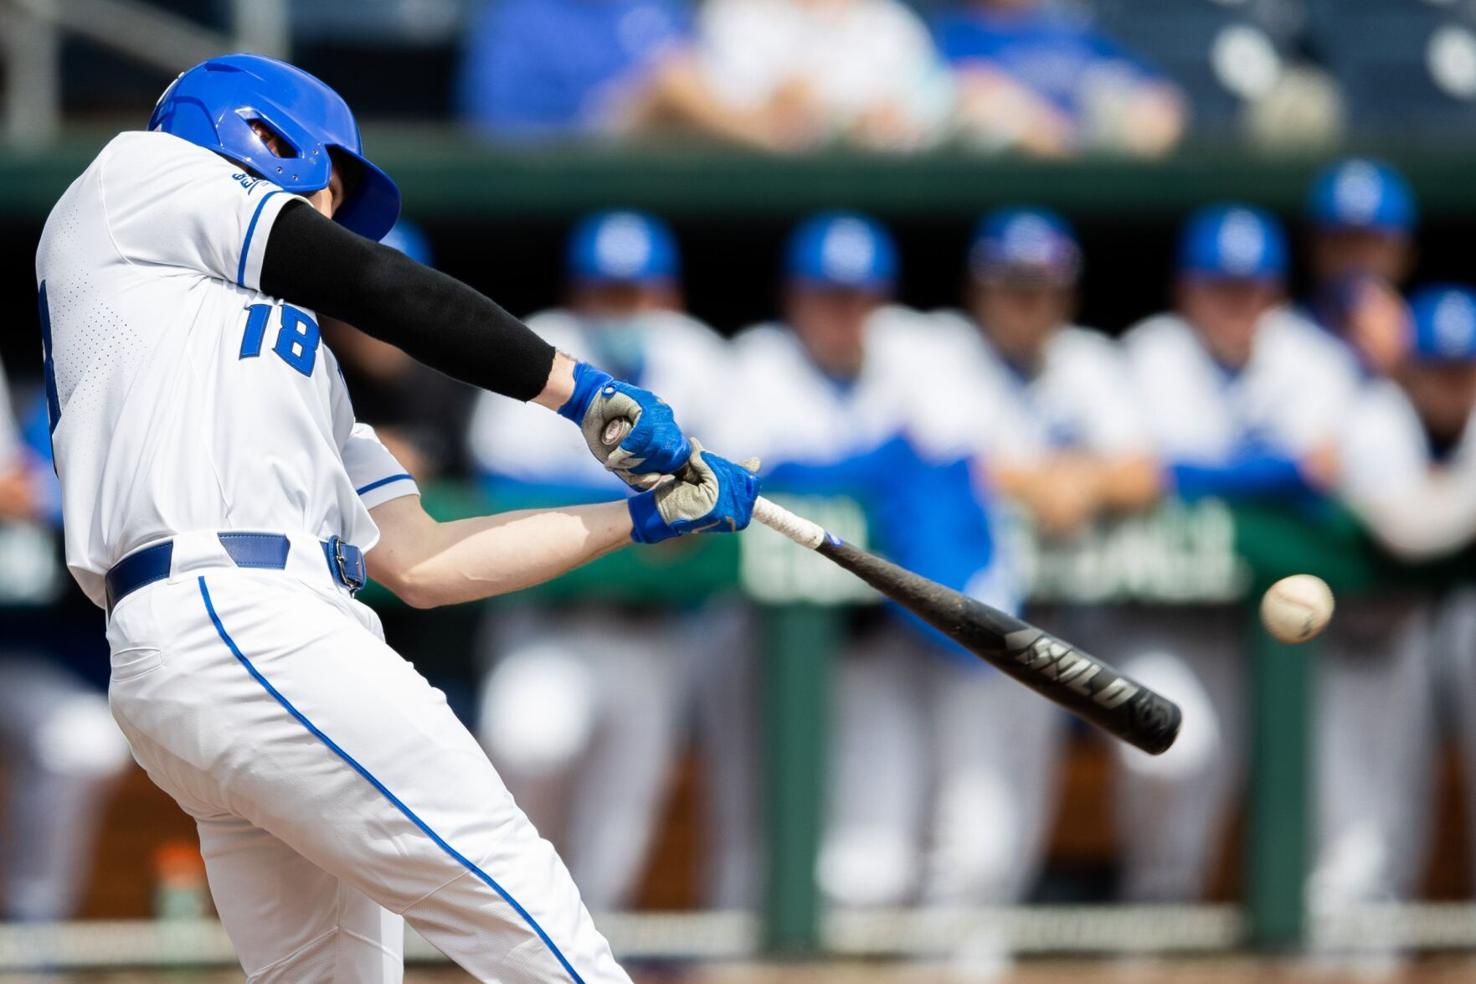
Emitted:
<point x="1082" y="684"/>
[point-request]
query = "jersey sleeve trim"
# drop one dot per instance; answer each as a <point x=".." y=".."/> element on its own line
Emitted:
<point x="404" y="477"/>
<point x="249" y="265"/>
<point x="385" y="489"/>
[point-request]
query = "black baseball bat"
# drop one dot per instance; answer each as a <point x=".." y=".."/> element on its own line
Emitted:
<point x="1057" y="670"/>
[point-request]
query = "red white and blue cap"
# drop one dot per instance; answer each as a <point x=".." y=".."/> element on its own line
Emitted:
<point x="842" y="249"/>
<point x="1231" y="241"/>
<point x="1025" y="241"/>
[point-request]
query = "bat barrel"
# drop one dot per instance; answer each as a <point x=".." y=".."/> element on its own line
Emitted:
<point x="1055" y="669"/>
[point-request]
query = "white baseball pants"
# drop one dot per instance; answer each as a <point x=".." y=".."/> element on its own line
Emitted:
<point x="334" y="791"/>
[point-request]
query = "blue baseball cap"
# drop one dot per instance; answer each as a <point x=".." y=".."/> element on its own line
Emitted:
<point x="622" y="247"/>
<point x="1444" y="324"/>
<point x="410" y="239"/>
<point x="1362" y="194"/>
<point x="1029" y="240"/>
<point x="1233" y="242"/>
<point x="842" y="249"/>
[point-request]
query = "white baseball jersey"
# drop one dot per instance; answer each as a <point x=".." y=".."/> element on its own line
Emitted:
<point x="1080" y="397"/>
<point x="1290" y="396"/>
<point x="908" y="382"/>
<point x="683" y="362"/>
<point x="182" y="397"/>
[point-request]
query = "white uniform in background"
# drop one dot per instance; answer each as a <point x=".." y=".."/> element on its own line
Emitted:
<point x="1079" y="399"/>
<point x="909" y="725"/>
<point x="1290" y="398"/>
<point x="586" y="705"/>
<point x="63" y="751"/>
<point x="850" y="59"/>
<point x="186" y="404"/>
<point x="1386" y="656"/>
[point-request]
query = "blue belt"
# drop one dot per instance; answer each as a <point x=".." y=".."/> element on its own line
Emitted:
<point x="261" y="551"/>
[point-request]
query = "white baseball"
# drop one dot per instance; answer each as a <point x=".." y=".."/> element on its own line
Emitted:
<point x="1297" y="608"/>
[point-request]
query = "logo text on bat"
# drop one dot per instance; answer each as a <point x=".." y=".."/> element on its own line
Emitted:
<point x="1054" y="660"/>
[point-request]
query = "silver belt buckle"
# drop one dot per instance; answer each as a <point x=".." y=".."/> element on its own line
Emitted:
<point x="349" y="560"/>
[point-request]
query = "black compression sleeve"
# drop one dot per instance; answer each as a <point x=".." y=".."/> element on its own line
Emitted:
<point x="438" y="320"/>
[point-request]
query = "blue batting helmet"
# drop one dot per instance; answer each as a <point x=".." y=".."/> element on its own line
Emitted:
<point x="214" y="104"/>
<point x="843" y="249"/>
<point x="1030" y="240"/>
<point x="1444" y="319"/>
<point x="1233" y="242"/>
<point x="1362" y="194"/>
<point x="622" y="247"/>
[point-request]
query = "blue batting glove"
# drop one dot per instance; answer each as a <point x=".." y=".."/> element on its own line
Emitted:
<point x="713" y="495"/>
<point x="653" y="444"/>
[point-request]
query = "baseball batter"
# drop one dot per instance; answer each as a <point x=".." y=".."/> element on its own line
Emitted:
<point x="1243" y="399"/>
<point x="219" y="502"/>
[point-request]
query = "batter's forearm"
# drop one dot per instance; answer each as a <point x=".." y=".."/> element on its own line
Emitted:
<point x="427" y="564"/>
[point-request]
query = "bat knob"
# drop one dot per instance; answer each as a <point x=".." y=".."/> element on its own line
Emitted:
<point x="615" y="432"/>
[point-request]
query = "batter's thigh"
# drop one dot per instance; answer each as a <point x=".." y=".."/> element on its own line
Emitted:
<point x="291" y="921"/>
<point x="286" y="710"/>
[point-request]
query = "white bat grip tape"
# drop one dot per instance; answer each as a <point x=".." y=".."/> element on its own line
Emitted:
<point x="797" y="528"/>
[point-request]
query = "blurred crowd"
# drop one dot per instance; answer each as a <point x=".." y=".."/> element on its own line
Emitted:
<point x="1048" y="78"/>
<point x="952" y="429"/>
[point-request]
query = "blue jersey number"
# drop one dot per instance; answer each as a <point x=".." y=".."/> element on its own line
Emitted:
<point x="297" y="336"/>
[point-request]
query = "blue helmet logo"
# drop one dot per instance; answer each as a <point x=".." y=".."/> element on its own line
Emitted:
<point x="214" y="104"/>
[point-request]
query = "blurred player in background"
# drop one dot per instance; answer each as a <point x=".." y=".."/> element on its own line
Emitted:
<point x="587" y="703"/>
<point x="1046" y="81"/>
<point x="1407" y="468"/>
<point x="1072" y="447"/>
<point x="1244" y="400"/>
<point x="1363" y="219"/>
<point x="57" y="739"/>
<point x="862" y="402"/>
<point x="1378" y="660"/>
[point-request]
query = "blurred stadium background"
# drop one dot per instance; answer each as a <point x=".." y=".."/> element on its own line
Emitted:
<point x="505" y="121"/>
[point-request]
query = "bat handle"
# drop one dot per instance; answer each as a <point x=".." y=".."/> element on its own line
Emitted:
<point x="802" y="531"/>
<point x="806" y="533"/>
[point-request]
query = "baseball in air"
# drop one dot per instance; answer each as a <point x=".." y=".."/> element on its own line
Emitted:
<point x="1297" y="608"/>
